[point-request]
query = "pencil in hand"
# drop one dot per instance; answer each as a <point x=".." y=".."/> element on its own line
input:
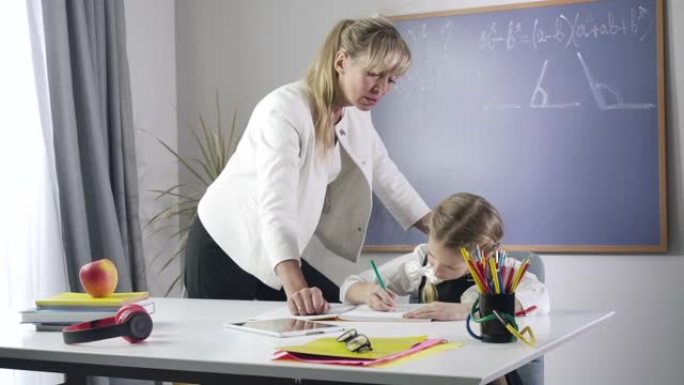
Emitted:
<point x="377" y="275"/>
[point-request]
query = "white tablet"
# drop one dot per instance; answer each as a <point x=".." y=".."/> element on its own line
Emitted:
<point x="286" y="327"/>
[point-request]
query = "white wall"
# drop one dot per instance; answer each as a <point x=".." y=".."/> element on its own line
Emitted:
<point x="151" y="45"/>
<point x="244" y="49"/>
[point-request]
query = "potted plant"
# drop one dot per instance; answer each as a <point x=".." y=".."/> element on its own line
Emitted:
<point x="215" y="145"/>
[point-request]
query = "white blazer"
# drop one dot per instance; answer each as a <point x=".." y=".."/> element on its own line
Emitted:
<point x="273" y="194"/>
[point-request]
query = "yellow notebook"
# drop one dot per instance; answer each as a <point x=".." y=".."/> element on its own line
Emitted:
<point x="70" y="299"/>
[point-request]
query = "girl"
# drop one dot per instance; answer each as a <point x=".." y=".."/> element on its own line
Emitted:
<point x="436" y="273"/>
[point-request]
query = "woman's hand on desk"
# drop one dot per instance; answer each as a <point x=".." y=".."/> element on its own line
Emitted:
<point x="301" y="299"/>
<point x="441" y="311"/>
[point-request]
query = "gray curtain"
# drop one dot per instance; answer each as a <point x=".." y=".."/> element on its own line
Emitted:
<point x="93" y="136"/>
<point x="94" y="145"/>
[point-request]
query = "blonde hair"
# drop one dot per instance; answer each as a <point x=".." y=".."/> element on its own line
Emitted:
<point x="463" y="220"/>
<point x="429" y="293"/>
<point x="375" y="37"/>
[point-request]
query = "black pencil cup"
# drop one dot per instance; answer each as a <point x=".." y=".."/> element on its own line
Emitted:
<point x="493" y="330"/>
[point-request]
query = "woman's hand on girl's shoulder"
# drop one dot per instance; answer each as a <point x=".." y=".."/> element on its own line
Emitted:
<point x="440" y="311"/>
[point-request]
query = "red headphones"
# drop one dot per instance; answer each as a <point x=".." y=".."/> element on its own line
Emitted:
<point x="132" y="322"/>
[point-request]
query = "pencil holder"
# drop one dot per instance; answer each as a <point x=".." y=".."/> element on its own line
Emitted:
<point x="492" y="329"/>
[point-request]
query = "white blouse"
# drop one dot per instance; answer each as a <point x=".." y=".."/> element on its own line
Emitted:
<point x="334" y="162"/>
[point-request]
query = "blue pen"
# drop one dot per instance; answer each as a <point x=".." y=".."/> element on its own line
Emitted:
<point x="377" y="275"/>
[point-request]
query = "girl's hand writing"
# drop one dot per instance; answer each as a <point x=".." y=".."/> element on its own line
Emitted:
<point x="381" y="299"/>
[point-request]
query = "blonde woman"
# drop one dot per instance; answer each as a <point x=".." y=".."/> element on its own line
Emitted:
<point x="308" y="163"/>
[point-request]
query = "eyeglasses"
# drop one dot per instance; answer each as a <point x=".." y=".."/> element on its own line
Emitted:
<point x="355" y="342"/>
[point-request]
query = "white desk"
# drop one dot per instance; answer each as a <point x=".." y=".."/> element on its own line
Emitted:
<point x="189" y="343"/>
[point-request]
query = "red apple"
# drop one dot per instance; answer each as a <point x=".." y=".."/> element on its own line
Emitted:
<point x="99" y="278"/>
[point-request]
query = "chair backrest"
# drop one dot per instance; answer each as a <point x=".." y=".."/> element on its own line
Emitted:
<point x="536" y="264"/>
<point x="533" y="372"/>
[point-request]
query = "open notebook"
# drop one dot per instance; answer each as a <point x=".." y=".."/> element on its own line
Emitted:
<point x="365" y="313"/>
<point x="348" y="313"/>
<point x="283" y="312"/>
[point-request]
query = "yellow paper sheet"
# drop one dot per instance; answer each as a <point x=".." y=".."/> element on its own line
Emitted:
<point x="330" y="347"/>
<point x="70" y="299"/>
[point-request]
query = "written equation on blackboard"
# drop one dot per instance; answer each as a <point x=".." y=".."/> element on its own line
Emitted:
<point x="568" y="31"/>
<point x="551" y="112"/>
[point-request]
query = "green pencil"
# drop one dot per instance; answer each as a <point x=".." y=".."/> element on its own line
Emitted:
<point x="377" y="275"/>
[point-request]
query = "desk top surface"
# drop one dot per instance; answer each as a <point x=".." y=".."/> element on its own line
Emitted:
<point x="189" y="335"/>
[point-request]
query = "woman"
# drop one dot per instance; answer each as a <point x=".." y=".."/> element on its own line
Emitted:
<point x="307" y="163"/>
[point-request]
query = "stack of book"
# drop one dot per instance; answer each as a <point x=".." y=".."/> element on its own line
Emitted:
<point x="61" y="310"/>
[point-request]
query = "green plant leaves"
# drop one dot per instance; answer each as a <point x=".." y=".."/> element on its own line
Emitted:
<point x="215" y="148"/>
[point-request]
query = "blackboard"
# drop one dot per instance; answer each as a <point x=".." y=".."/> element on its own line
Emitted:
<point x="553" y="111"/>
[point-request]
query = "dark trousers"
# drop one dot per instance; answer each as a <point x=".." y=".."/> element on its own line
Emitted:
<point x="211" y="273"/>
